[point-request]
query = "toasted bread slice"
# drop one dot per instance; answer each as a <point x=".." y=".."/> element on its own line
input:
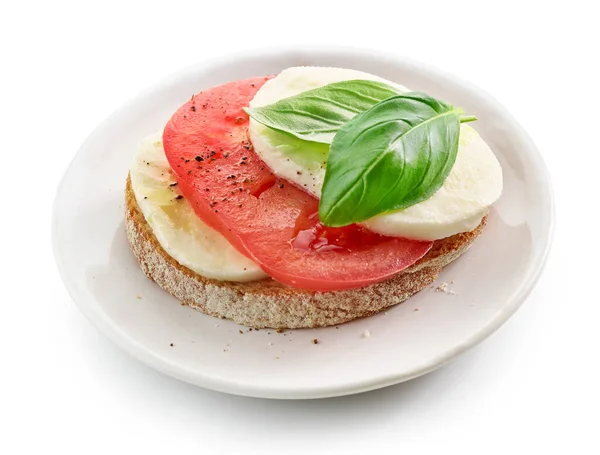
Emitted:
<point x="268" y="303"/>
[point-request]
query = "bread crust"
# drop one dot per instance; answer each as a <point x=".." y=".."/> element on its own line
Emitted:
<point x="268" y="303"/>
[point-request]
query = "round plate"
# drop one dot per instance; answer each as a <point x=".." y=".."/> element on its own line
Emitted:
<point x="486" y="285"/>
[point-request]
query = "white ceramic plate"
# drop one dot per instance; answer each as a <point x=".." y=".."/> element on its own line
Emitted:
<point x="489" y="282"/>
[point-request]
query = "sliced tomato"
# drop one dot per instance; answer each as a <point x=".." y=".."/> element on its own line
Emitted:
<point x="266" y="218"/>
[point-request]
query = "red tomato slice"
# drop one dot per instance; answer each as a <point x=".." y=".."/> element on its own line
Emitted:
<point x="266" y="218"/>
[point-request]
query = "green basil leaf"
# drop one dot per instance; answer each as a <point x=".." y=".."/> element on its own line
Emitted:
<point x="394" y="155"/>
<point x="316" y="115"/>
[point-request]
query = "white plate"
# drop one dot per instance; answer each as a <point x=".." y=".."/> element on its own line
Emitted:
<point x="490" y="281"/>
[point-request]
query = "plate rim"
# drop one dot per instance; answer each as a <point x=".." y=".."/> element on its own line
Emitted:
<point x="134" y="348"/>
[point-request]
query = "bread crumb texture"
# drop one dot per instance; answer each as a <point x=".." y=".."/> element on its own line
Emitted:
<point x="268" y="303"/>
<point x="443" y="287"/>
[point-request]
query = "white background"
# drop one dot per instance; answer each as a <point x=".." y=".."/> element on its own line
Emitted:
<point x="533" y="385"/>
